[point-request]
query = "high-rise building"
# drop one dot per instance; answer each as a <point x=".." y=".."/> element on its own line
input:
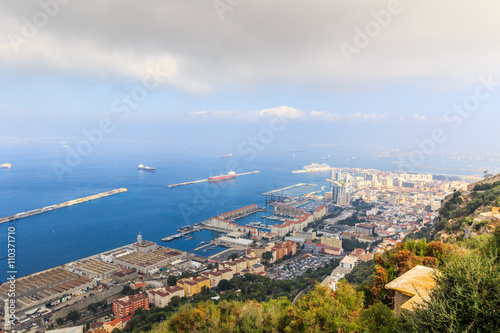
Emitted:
<point x="344" y="199"/>
<point x="338" y="189"/>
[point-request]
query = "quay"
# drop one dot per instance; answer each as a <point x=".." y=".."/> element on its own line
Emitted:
<point x="61" y="205"/>
<point x="206" y="180"/>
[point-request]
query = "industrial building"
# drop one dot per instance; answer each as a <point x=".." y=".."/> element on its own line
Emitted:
<point x="44" y="287"/>
<point x="92" y="268"/>
<point x="150" y="262"/>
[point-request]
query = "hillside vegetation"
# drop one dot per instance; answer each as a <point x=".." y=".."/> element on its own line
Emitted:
<point x="460" y="214"/>
<point x="466" y="298"/>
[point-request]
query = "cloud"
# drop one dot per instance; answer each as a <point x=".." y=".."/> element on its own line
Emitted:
<point x="280" y="111"/>
<point x="358" y="116"/>
<point x="353" y="117"/>
<point x="258" y="42"/>
<point x="44" y="54"/>
<point x="419" y="117"/>
<point x="288" y="113"/>
<point x="324" y="115"/>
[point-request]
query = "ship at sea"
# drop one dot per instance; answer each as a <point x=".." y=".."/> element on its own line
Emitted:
<point x="226" y="156"/>
<point x="229" y="175"/>
<point x="5" y="166"/>
<point x="146" y="168"/>
<point x="314" y="167"/>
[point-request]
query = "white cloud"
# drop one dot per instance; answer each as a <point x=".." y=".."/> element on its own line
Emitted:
<point x="358" y="116"/>
<point x="280" y="111"/>
<point x="419" y="117"/>
<point x="324" y="115"/>
<point x="289" y="113"/>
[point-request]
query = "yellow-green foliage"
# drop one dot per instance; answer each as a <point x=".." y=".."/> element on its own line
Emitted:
<point x="321" y="310"/>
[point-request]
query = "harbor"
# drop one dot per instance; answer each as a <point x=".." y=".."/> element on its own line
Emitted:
<point x="61" y="205"/>
<point x="208" y="179"/>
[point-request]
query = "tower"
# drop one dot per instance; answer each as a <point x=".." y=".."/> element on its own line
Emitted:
<point x="139" y="238"/>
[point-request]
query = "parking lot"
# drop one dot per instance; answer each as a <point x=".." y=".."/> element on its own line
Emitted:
<point x="296" y="267"/>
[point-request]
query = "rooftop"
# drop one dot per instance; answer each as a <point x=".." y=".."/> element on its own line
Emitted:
<point x="416" y="283"/>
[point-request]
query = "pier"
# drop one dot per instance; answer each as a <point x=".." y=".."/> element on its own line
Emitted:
<point x="206" y="180"/>
<point x="61" y="205"/>
<point x="204" y="246"/>
<point x="296" y="190"/>
<point x="180" y="234"/>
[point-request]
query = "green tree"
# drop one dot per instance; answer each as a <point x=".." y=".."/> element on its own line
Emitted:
<point x="60" y="321"/>
<point x="378" y="318"/>
<point x="224" y="285"/>
<point x="233" y="256"/>
<point x="465" y="298"/>
<point x="172" y="280"/>
<point x="128" y="291"/>
<point x="92" y="307"/>
<point x="73" y="316"/>
<point x="492" y="248"/>
<point x="323" y="310"/>
<point x="268" y="256"/>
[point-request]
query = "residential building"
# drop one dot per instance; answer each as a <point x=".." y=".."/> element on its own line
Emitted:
<point x="349" y="262"/>
<point x="331" y="241"/>
<point x="315" y="248"/>
<point x="365" y="228"/>
<point x="127" y="305"/>
<point x="111" y="325"/>
<point x="192" y="285"/>
<point x="320" y="212"/>
<point x="333" y="251"/>
<point x="308" y="236"/>
<point x="161" y="297"/>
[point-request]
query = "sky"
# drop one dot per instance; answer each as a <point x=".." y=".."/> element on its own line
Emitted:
<point x="391" y="73"/>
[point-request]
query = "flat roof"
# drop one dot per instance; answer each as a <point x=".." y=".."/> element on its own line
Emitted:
<point x="241" y="241"/>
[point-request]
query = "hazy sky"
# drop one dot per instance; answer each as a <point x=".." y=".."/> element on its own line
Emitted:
<point x="388" y="72"/>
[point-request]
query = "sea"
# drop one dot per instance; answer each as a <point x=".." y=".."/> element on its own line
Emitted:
<point x="148" y="207"/>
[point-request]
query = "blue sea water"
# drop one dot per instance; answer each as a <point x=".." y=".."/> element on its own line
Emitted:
<point x="57" y="237"/>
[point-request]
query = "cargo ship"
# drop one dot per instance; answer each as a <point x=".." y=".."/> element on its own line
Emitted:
<point x="5" y="166"/>
<point x="226" y="156"/>
<point x="146" y="168"/>
<point x="229" y="175"/>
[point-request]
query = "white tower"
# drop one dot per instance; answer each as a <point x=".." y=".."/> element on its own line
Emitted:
<point x="139" y="238"/>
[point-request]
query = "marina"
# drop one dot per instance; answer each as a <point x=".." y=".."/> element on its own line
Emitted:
<point x="61" y="205"/>
<point x="208" y="179"/>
